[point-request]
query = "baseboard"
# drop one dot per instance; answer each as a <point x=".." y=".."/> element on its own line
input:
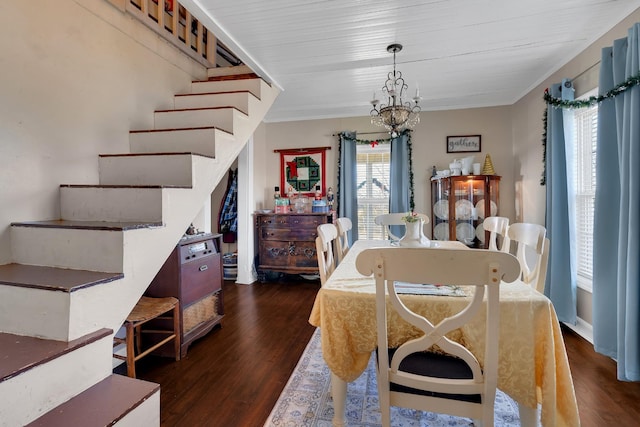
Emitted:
<point x="582" y="328"/>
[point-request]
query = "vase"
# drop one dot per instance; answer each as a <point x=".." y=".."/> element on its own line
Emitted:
<point x="414" y="235"/>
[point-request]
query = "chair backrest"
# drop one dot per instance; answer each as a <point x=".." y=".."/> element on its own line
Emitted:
<point x="530" y="250"/>
<point x="343" y="224"/>
<point x="480" y="270"/>
<point x="387" y="220"/>
<point x="327" y="234"/>
<point x="498" y="226"/>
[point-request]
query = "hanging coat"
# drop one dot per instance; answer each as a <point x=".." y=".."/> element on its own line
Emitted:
<point x="228" y="217"/>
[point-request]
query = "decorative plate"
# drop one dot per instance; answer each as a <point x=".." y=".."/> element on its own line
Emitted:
<point x="441" y="231"/>
<point x="480" y="208"/>
<point x="480" y="232"/>
<point x="464" y="209"/>
<point x="441" y="209"/>
<point x="465" y="233"/>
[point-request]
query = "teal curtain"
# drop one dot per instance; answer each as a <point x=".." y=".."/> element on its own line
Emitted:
<point x="616" y="251"/>
<point x="347" y="192"/>
<point x="401" y="191"/>
<point x="560" y="207"/>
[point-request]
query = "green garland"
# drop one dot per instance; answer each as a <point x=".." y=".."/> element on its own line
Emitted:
<point x="592" y="100"/>
<point x="375" y="142"/>
<point x="543" y="179"/>
<point x="579" y="103"/>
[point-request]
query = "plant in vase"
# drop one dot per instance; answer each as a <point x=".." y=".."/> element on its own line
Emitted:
<point x="414" y="231"/>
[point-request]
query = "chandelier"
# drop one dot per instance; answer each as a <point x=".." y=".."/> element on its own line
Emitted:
<point x="396" y="115"/>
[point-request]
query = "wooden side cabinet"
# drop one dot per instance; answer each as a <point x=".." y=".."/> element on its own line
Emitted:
<point x="286" y="242"/>
<point x="193" y="274"/>
<point x="459" y="205"/>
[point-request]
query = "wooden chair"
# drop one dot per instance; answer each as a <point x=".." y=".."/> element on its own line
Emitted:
<point x="532" y="251"/>
<point x="327" y="235"/>
<point x="344" y="225"/>
<point x="452" y="380"/>
<point x="387" y="220"/>
<point x="498" y="226"/>
<point x="145" y="310"/>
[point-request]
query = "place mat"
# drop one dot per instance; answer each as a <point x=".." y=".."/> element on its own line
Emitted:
<point x="427" y="289"/>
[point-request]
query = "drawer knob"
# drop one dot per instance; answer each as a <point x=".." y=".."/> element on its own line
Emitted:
<point x="203" y="267"/>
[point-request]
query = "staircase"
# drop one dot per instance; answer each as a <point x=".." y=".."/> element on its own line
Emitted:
<point x="74" y="280"/>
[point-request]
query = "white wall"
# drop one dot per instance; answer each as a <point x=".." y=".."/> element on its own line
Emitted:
<point x="73" y="84"/>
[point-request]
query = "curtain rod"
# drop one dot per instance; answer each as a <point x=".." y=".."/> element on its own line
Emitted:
<point x="585" y="71"/>
<point x="280" y="150"/>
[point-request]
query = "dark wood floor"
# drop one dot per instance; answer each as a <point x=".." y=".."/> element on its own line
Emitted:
<point x="233" y="376"/>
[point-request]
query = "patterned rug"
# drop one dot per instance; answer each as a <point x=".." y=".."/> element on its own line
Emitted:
<point x="306" y="401"/>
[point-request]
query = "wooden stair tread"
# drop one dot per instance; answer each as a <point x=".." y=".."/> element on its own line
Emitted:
<point x="20" y="353"/>
<point x="88" y="225"/>
<point x="234" y="77"/>
<point x="223" y="107"/>
<point x="178" y="130"/>
<point x="100" y="405"/>
<point x="52" y="278"/>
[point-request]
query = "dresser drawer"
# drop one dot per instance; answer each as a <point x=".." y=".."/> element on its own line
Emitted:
<point x="288" y="254"/>
<point x="288" y="234"/>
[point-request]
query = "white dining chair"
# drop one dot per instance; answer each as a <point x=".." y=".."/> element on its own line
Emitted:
<point x="327" y="235"/>
<point x="387" y="220"/>
<point x="497" y="226"/>
<point x="532" y="251"/>
<point x="344" y="225"/>
<point x="451" y="380"/>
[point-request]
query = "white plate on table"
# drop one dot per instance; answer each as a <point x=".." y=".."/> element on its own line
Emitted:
<point x="480" y="208"/>
<point x="441" y="231"/>
<point x="441" y="209"/>
<point x="464" y="209"/>
<point x="465" y="233"/>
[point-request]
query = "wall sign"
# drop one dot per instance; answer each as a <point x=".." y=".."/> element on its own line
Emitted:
<point x="463" y="144"/>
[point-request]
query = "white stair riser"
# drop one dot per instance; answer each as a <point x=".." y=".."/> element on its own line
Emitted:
<point x="29" y="395"/>
<point x="170" y="170"/>
<point x="111" y="204"/>
<point x="222" y="118"/>
<point x="95" y="250"/>
<point x="200" y="141"/>
<point x="146" y="414"/>
<point x="255" y="86"/>
<point x="240" y="100"/>
<point x="48" y="312"/>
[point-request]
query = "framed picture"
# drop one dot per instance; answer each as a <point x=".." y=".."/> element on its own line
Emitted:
<point x="463" y="144"/>
<point x="302" y="169"/>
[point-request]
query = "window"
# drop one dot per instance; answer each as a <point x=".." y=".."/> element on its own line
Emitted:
<point x="584" y="156"/>
<point x="373" y="188"/>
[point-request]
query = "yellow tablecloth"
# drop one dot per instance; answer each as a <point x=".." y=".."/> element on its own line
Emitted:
<point x="533" y="365"/>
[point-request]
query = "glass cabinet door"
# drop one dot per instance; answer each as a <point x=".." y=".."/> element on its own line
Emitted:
<point x="458" y="207"/>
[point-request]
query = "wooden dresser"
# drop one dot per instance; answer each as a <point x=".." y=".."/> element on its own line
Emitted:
<point x="287" y="242"/>
<point x="193" y="274"/>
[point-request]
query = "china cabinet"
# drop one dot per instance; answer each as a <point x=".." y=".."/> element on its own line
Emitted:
<point x="459" y="204"/>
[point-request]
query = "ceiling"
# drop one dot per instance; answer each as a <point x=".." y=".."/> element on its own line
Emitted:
<point x="329" y="56"/>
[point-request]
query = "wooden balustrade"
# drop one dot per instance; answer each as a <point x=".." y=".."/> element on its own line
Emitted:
<point x="173" y="21"/>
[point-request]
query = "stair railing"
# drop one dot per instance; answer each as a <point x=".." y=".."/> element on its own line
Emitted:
<point x="173" y="21"/>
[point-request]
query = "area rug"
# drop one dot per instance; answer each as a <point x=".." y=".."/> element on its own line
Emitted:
<point x="306" y="401"/>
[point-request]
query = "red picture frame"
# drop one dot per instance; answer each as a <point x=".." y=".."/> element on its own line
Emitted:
<point x="302" y="169"/>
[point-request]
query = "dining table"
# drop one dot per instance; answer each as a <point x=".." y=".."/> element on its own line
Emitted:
<point x="533" y="365"/>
